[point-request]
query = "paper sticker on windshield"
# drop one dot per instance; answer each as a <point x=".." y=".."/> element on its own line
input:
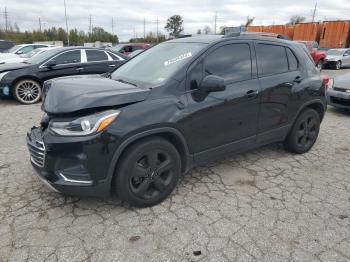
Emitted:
<point x="177" y="59"/>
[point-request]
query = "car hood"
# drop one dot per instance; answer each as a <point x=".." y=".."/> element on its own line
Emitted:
<point x="71" y="94"/>
<point x="342" y="81"/>
<point x="7" y="55"/>
<point x="12" y="66"/>
<point x="334" y="57"/>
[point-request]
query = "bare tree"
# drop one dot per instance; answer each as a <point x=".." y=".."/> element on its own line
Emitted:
<point x="207" y="30"/>
<point x="249" y="21"/>
<point x="296" y="19"/>
<point x="199" y="32"/>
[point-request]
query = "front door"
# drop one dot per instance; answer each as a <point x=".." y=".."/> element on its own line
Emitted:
<point x="67" y="63"/>
<point x="219" y="121"/>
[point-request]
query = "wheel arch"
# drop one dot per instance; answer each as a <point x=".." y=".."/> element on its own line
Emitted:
<point x="170" y="134"/>
<point x="24" y="77"/>
<point x="317" y="105"/>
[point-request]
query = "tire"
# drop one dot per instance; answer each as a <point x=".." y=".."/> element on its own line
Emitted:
<point x="27" y="91"/>
<point x="148" y="172"/>
<point x="319" y="65"/>
<point x="304" y="132"/>
<point x="337" y="65"/>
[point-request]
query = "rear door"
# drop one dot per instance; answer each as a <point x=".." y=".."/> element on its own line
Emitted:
<point x="67" y="63"/>
<point x="279" y="74"/>
<point x="97" y="62"/>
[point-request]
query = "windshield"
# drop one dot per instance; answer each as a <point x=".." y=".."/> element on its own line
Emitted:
<point x="335" y="52"/>
<point x="31" y="53"/>
<point x="157" y="64"/>
<point x="13" y="49"/>
<point x="39" y="58"/>
<point x="117" y="48"/>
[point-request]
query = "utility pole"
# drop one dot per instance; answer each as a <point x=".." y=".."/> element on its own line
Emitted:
<point x="65" y="14"/>
<point x="144" y="28"/>
<point x="39" y="25"/>
<point x="90" y="27"/>
<point x="314" y="12"/>
<point x="215" y="21"/>
<point x="112" y="26"/>
<point x="6" y="20"/>
<point x="157" y="22"/>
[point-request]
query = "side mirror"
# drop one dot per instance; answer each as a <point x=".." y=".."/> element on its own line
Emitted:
<point x="212" y="83"/>
<point x="51" y="64"/>
<point x="345" y="54"/>
<point x="19" y="52"/>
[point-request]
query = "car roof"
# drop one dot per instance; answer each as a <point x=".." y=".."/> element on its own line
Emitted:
<point x="210" y="39"/>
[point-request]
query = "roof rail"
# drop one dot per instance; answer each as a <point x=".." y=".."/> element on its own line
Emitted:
<point x="184" y="36"/>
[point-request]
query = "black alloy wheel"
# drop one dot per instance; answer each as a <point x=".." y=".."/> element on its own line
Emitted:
<point x="304" y="132"/>
<point x="148" y="172"/>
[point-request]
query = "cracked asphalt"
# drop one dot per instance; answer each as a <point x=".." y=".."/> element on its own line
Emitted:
<point x="263" y="205"/>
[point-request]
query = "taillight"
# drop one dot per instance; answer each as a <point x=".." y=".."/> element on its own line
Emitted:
<point x="325" y="80"/>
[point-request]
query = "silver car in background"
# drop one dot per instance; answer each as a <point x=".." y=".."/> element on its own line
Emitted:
<point x="338" y="92"/>
<point x="338" y="58"/>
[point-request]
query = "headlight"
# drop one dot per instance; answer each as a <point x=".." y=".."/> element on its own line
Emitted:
<point x="330" y="83"/>
<point x="3" y="74"/>
<point x="86" y="125"/>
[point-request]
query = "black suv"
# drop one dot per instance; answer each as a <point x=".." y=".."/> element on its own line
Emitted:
<point x="180" y="103"/>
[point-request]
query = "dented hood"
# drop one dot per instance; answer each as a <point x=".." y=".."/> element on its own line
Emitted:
<point x="71" y="94"/>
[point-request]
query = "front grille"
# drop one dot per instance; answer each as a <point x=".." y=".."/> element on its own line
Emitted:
<point x="340" y="101"/>
<point x="36" y="148"/>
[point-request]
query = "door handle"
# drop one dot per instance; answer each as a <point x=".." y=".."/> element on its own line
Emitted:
<point x="79" y="68"/>
<point x="111" y="65"/>
<point x="298" y="79"/>
<point x="252" y="93"/>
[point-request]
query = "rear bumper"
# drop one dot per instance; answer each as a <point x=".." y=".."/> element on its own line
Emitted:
<point x="338" y="99"/>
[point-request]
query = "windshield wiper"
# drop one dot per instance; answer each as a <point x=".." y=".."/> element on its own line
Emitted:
<point x="126" y="82"/>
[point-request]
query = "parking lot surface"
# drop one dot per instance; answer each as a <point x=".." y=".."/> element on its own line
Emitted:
<point x="263" y="205"/>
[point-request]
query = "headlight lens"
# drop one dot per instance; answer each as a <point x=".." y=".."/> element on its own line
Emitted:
<point x="86" y="125"/>
<point x="330" y="83"/>
<point x="3" y="74"/>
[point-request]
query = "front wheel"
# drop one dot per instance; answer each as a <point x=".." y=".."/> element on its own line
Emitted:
<point x="338" y="65"/>
<point x="27" y="91"/>
<point x="319" y="65"/>
<point x="148" y="172"/>
<point x="304" y="132"/>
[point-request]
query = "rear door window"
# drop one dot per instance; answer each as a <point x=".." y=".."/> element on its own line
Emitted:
<point x="273" y="59"/>
<point x="69" y="57"/>
<point x="232" y="62"/>
<point x="96" y="55"/>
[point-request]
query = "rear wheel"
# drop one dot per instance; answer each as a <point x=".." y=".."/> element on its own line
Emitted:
<point x="319" y="65"/>
<point x="304" y="132"/>
<point x="148" y="172"/>
<point x="27" y="91"/>
<point x="337" y="65"/>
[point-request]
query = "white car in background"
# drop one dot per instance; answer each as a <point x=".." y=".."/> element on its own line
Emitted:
<point x="18" y="50"/>
<point x="23" y="57"/>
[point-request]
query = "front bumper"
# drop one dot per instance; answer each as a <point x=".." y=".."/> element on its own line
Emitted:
<point x="72" y="165"/>
<point x="340" y="99"/>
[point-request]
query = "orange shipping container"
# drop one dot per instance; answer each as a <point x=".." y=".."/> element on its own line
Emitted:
<point x="307" y="32"/>
<point x="259" y="28"/>
<point x="280" y="30"/>
<point x="335" y="34"/>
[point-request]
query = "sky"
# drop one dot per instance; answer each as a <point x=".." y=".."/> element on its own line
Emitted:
<point x="129" y="15"/>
